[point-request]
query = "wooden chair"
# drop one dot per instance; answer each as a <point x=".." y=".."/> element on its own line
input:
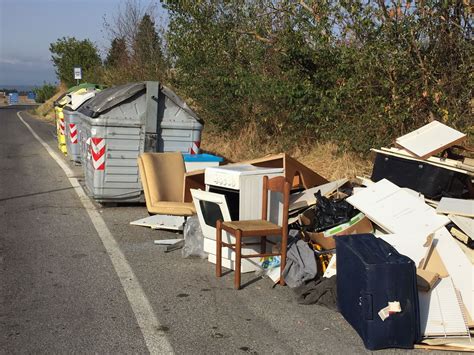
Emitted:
<point x="256" y="228"/>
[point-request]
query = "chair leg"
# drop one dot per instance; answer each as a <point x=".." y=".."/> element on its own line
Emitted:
<point x="263" y="244"/>
<point x="238" y="258"/>
<point x="283" y="260"/>
<point x="218" y="248"/>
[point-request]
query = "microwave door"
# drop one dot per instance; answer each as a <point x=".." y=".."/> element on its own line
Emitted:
<point x="210" y="207"/>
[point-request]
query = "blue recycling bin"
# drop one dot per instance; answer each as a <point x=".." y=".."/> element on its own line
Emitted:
<point x="201" y="161"/>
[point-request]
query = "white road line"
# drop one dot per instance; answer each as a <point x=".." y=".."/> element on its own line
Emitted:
<point x="150" y="327"/>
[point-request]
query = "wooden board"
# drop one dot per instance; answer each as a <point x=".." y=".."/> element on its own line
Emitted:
<point x="458" y="266"/>
<point x="456" y="206"/>
<point x="295" y="172"/>
<point x="443" y="348"/>
<point x="396" y="210"/>
<point x="159" y="221"/>
<point x="430" y="139"/>
<point x="441" y="313"/>
<point x="306" y="198"/>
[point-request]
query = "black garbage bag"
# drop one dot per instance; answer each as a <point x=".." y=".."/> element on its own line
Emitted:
<point x="330" y="213"/>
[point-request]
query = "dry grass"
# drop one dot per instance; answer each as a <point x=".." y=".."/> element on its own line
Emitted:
<point x="321" y="157"/>
<point x="46" y="111"/>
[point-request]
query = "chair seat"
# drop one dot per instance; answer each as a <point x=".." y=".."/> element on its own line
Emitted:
<point x="255" y="226"/>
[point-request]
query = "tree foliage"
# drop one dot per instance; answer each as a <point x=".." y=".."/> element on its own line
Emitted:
<point x="355" y="72"/>
<point x="68" y="52"/>
<point x="147" y="55"/>
<point x="45" y="92"/>
<point x="134" y="32"/>
<point x="117" y="54"/>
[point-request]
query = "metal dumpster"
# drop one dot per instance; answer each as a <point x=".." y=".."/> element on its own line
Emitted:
<point x="59" y="104"/>
<point x="71" y="121"/>
<point x="122" y="122"/>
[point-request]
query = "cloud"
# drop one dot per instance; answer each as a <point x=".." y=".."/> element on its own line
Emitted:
<point x="25" y="61"/>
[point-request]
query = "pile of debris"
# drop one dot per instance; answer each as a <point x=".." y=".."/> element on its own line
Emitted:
<point x="392" y="253"/>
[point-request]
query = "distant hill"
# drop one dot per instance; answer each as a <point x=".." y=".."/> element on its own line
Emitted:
<point x="19" y="88"/>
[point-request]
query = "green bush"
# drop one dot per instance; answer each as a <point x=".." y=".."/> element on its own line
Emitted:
<point x="45" y="92"/>
<point x="354" y="72"/>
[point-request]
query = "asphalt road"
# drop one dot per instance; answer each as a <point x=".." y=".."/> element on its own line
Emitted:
<point x="60" y="292"/>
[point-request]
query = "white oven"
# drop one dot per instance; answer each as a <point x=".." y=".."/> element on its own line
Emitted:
<point x="242" y="186"/>
<point x="234" y="193"/>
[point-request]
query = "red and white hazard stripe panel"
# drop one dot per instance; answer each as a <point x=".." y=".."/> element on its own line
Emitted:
<point x="195" y="147"/>
<point x="98" y="153"/>
<point x="62" y="126"/>
<point x="73" y="133"/>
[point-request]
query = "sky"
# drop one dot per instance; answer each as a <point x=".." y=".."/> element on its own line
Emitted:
<point x="27" y="27"/>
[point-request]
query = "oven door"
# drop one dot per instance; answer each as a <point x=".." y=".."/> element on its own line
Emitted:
<point x="210" y="207"/>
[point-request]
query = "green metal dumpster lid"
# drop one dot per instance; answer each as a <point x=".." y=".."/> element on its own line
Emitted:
<point x="85" y="86"/>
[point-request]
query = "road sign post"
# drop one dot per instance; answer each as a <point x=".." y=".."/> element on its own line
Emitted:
<point x="78" y="74"/>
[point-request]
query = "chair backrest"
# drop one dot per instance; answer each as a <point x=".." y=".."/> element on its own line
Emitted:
<point x="281" y="185"/>
<point x="162" y="176"/>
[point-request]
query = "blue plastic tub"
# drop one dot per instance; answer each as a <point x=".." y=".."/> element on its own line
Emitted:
<point x="200" y="161"/>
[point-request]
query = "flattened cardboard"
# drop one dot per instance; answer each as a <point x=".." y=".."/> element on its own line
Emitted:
<point x="326" y="239"/>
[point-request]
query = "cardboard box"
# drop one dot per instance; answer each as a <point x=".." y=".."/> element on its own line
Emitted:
<point x="359" y="224"/>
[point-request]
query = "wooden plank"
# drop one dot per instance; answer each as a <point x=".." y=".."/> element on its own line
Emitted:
<point x="456" y="206"/>
<point x="158" y="221"/>
<point x="430" y="139"/>
<point x="441" y="314"/>
<point x="306" y="198"/>
<point x="458" y="266"/>
<point x="466" y="224"/>
<point x="396" y="210"/>
<point x="443" y="348"/>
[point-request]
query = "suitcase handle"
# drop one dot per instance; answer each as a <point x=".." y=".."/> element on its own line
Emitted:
<point x="367" y="306"/>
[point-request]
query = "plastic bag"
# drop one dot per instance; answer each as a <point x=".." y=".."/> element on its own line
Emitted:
<point x="330" y="213"/>
<point x="193" y="239"/>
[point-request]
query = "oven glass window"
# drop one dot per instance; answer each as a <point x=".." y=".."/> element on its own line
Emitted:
<point x="211" y="212"/>
<point x="232" y="198"/>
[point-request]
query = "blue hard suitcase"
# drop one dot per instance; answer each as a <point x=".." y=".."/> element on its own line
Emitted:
<point x="370" y="274"/>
